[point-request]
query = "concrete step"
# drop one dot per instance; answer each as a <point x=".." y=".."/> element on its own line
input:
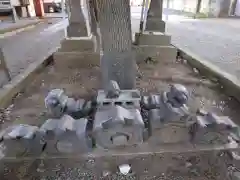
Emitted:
<point x="154" y="38"/>
<point x="77" y="45"/>
<point x="72" y="60"/>
<point x="156" y="53"/>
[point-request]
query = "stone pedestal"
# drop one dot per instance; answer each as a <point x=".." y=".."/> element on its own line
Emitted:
<point x="79" y="48"/>
<point x="4" y="73"/>
<point x="155" y="24"/>
<point x="156" y="46"/>
<point x="3" y="78"/>
<point x="154" y="17"/>
<point x="77" y="22"/>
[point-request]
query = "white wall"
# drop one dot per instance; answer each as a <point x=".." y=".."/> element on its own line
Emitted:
<point x="31" y="8"/>
<point x="15" y="3"/>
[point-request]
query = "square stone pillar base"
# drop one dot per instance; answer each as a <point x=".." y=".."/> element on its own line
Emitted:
<point x="155" y="24"/>
<point x="77" y="30"/>
<point x="155" y="46"/>
<point x="3" y="78"/>
<point x="76" y="53"/>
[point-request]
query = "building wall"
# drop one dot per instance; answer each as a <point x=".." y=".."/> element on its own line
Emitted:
<point x="31" y="8"/>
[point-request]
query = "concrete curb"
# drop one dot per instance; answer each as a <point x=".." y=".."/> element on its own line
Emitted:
<point x="21" y="81"/>
<point x="13" y="31"/>
<point x="229" y="83"/>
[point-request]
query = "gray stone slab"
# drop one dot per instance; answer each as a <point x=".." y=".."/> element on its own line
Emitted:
<point x="3" y="78"/>
<point x="65" y="135"/>
<point x="77" y="22"/>
<point x="72" y="45"/>
<point x="21" y="140"/>
<point x="155" y="24"/>
<point x="156" y="53"/>
<point x="118" y="127"/>
<point x="126" y="98"/>
<point x="154" y="38"/>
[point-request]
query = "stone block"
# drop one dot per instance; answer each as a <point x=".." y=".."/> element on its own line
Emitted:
<point x="77" y="30"/>
<point x="127" y="98"/>
<point x="154" y="38"/>
<point x="3" y="78"/>
<point x="155" y="24"/>
<point x="21" y="140"/>
<point x="155" y="53"/>
<point x="58" y="103"/>
<point x="212" y="129"/>
<point x="118" y="127"/>
<point x="73" y="60"/>
<point x="65" y="135"/>
<point x="77" y="45"/>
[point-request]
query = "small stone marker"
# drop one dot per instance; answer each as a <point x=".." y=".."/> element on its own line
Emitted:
<point x="4" y="74"/>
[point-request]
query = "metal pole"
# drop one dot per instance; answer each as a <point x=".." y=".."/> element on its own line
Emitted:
<point x="146" y="13"/>
<point x="168" y="3"/>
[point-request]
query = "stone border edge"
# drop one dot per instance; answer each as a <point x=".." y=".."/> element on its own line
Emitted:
<point x="9" y="91"/>
<point x="12" y="31"/>
<point x="229" y="83"/>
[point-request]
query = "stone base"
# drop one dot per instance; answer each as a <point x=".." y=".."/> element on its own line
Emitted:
<point x="3" y="78"/>
<point x="63" y="60"/>
<point x="77" y="30"/>
<point x="155" y="24"/>
<point x="77" y="45"/>
<point x="156" y="53"/>
<point x="153" y="38"/>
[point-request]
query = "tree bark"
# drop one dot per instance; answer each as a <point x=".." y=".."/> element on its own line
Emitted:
<point x="118" y="62"/>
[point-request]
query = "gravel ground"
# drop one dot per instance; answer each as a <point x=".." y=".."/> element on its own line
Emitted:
<point x="28" y="107"/>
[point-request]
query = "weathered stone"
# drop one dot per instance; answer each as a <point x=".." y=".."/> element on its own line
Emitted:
<point x="4" y="73"/>
<point x="118" y="61"/>
<point x="77" y="22"/>
<point x="58" y="103"/>
<point x="55" y="102"/>
<point x="155" y="24"/>
<point x="117" y="127"/>
<point x="168" y="116"/>
<point x="156" y="53"/>
<point x="113" y="90"/>
<point x="3" y="78"/>
<point x="125" y="99"/>
<point x="21" y="140"/>
<point x="73" y="60"/>
<point x="65" y="135"/>
<point x="213" y="129"/>
<point x="153" y="38"/>
<point x="154" y="17"/>
<point x="77" y="45"/>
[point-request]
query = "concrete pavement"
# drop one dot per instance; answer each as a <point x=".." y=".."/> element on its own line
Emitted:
<point x="24" y="48"/>
<point x="215" y="40"/>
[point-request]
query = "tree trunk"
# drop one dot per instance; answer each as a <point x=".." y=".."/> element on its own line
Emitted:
<point x="118" y="62"/>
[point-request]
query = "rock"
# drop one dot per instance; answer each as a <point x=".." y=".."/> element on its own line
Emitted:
<point x="124" y="169"/>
